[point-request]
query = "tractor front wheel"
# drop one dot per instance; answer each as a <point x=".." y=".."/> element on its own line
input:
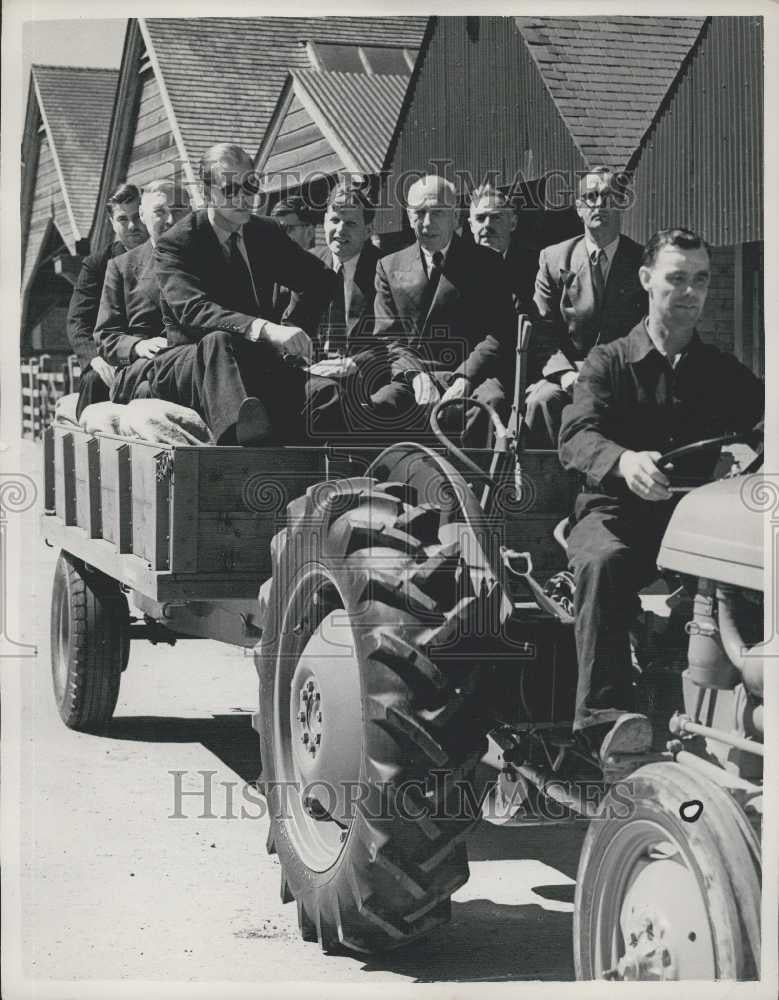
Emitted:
<point x="662" y="898"/>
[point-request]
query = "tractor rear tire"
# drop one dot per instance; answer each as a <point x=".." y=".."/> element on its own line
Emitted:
<point x="361" y="687"/>
<point x="658" y="897"/>
<point x="89" y="643"/>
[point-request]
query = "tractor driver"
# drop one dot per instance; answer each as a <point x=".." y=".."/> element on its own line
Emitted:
<point x="656" y="389"/>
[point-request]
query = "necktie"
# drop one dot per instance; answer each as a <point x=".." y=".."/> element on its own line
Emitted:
<point x="433" y="278"/>
<point x="335" y="334"/>
<point x="597" y="259"/>
<point x="238" y="267"/>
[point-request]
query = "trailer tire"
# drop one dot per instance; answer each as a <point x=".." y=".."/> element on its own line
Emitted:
<point x="89" y="643"/>
<point x="360" y="569"/>
<point x="661" y="898"/>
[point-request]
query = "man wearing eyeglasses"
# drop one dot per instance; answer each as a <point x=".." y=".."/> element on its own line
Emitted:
<point x="229" y="360"/>
<point x="587" y="292"/>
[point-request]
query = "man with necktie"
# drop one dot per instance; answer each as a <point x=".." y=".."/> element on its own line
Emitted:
<point x="297" y="220"/>
<point x="97" y="374"/>
<point x="587" y="292"/>
<point x="217" y="268"/>
<point x="129" y="331"/>
<point x="444" y="309"/>
<point x="350" y="356"/>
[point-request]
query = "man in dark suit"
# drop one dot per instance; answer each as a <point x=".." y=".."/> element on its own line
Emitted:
<point x="444" y="309"/>
<point x="656" y="389"/>
<point x="493" y="221"/>
<point x="217" y="268"/>
<point x="129" y="331"/>
<point x="349" y="355"/>
<point x="97" y="374"/>
<point x="587" y="292"/>
<point x="297" y="220"/>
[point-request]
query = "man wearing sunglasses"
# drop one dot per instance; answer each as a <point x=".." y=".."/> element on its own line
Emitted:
<point x="228" y="359"/>
<point x="587" y="292"/>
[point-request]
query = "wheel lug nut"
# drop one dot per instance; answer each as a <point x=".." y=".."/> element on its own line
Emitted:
<point x="310" y="686"/>
<point x="318" y="739"/>
<point x="318" y="716"/>
<point x="301" y="716"/>
<point x="305" y="737"/>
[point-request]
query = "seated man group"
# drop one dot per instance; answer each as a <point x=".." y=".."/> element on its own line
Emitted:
<point x="272" y="340"/>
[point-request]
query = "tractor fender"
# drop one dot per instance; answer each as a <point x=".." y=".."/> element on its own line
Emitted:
<point x="437" y="482"/>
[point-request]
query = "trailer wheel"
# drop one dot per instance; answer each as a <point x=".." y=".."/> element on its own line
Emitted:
<point x="89" y="643"/>
<point x="367" y="727"/>
<point x="658" y="898"/>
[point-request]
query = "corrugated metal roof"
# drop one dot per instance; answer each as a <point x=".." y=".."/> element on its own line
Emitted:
<point x="77" y="104"/>
<point x="360" y="110"/>
<point x="609" y="76"/>
<point x="224" y="75"/>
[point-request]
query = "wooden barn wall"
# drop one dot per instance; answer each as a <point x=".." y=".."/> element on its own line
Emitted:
<point x="48" y="201"/>
<point x="479" y="106"/>
<point x="701" y="165"/>
<point x="299" y="149"/>
<point x="153" y="153"/>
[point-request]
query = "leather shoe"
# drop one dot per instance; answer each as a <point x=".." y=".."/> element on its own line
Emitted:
<point x="631" y="733"/>
<point x="253" y="425"/>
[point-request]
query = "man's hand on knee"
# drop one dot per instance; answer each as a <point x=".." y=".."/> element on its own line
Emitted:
<point x="104" y="370"/>
<point x="640" y="472"/>
<point x="288" y="340"/>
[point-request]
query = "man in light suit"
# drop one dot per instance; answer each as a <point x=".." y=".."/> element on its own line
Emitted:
<point x="226" y="358"/>
<point x="129" y="331"/>
<point x="587" y="292"/>
<point x="444" y="309"/>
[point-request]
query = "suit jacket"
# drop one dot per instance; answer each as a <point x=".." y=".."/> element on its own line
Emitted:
<point x="522" y="265"/>
<point x="129" y="307"/>
<point x="468" y="329"/>
<point x="565" y="300"/>
<point x="85" y="303"/>
<point x="202" y="293"/>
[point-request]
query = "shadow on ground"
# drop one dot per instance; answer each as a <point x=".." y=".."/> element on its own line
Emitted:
<point x="229" y="737"/>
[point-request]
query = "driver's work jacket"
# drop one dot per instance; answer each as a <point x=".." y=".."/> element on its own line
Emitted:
<point x="629" y="397"/>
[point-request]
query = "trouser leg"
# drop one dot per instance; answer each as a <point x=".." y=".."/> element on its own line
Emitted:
<point x="132" y="381"/>
<point x="215" y="375"/>
<point x="612" y="556"/>
<point x="91" y="389"/>
<point x="544" y="413"/>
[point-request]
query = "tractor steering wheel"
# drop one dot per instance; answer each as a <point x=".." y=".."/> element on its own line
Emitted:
<point x="753" y="438"/>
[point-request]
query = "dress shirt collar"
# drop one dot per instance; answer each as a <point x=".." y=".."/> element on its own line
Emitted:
<point x="609" y="250"/>
<point x="348" y="266"/>
<point x="223" y="229"/>
<point x="428" y="255"/>
<point x="641" y="345"/>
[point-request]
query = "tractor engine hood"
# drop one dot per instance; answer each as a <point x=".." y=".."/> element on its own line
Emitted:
<point x="716" y="532"/>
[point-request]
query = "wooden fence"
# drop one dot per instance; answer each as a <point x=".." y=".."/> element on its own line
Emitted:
<point x="44" y="381"/>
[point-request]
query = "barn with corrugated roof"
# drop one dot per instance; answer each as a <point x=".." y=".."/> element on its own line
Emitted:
<point x="66" y="127"/>
<point x="536" y="101"/>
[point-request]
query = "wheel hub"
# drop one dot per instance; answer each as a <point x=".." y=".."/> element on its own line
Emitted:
<point x="326" y="720"/>
<point x="310" y="717"/>
<point x="664" y="924"/>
